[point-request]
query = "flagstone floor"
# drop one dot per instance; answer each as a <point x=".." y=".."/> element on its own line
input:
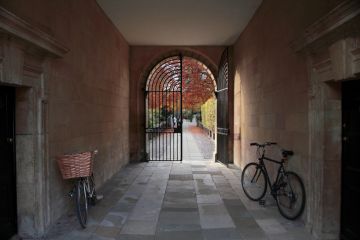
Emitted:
<point x="189" y="200"/>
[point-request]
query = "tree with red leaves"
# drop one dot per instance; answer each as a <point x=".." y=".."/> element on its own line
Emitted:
<point x="197" y="85"/>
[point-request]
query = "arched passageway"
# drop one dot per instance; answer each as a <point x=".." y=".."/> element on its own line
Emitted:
<point x="175" y="91"/>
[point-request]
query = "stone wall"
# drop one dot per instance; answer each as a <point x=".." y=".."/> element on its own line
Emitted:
<point x="142" y="59"/>
<point x="87" y="90"/>
<point x="273" y="82"/>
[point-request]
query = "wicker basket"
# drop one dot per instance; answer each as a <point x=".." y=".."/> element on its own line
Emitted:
<point x="75" y="165"/>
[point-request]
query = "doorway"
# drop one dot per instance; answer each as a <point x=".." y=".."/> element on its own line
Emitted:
<point x="8" y="216"/>
<point x="176" y="92"/>
<point x="350" y="208"/>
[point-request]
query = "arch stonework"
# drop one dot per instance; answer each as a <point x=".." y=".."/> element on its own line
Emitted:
<point x="142" y="61"/>
<point x="185" y="53"/>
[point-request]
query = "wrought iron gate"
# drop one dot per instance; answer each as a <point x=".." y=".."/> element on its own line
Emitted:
<point x="222" y="109"/>
<point x="163" y="104"/>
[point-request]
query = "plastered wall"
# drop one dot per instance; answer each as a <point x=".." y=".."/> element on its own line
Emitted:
<point x="87" y="90"/>
<point x="272" y="82"/>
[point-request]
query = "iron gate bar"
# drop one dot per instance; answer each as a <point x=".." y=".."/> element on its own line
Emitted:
<point x="163" y="103"/>
<point x="181" y="119"/>
<point x="224" y="89"/>
<point x="222" y="109"/>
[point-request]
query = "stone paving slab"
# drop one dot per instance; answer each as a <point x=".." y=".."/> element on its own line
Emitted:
<point x="180" y="235"/>
<point x="178" y="221"/>
<point x="215" y="216"/>
<point x="209" y="198"/>
<point x="181" y="177"/>
<point x="139" y="227"/>
<point x="135" y="237"/>
<point x="271" y="226"/>
<point x="222" y="233"/>
<point x="194" y="199"/>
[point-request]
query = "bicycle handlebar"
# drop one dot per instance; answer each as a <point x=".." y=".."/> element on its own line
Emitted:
<point x="284" y="152"/>
<point x="263" y="145"/>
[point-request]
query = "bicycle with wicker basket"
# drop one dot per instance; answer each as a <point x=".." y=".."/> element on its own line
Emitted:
<point x="79" y="167"/>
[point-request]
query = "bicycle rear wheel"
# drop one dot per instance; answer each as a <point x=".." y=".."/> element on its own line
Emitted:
<point x="81" y="202"/>
<point x="290" y="197"/>
<point x="92" y="193"/>
<point x="253" y="181"/>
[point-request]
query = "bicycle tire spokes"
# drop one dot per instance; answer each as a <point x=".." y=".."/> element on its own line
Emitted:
<point x="254" y="182"/>
<point x="92" y="197"/>
<point x="290" y="193"/>
<point x="255" y="174"/>
<point x="89" y="189"/>
<point x="286" y="200"/>
<point x="291" y="196"/>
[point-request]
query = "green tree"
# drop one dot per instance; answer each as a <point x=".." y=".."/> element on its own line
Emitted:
<point x="208" y="113"/>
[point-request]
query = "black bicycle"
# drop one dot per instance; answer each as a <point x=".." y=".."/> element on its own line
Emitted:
<point x="288" y="189"/>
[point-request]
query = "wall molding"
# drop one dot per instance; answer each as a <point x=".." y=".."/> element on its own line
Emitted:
<point x="339" y="17"/>
<point x="15" y="26"/>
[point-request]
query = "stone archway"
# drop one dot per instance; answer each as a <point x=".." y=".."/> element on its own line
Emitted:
<point x="176" y="84"/>
<point x="144" y="63"/>
<point x="176" y="52"/>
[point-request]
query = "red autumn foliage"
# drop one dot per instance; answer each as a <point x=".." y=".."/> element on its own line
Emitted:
<point x="197" y="84"/>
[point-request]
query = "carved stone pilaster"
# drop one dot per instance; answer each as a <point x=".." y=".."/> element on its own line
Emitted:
<point x="24" y="55"/>
<point x="332" y="48"/>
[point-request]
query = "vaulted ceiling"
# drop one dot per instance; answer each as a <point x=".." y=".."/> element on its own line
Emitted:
<point x="180" y="22"/>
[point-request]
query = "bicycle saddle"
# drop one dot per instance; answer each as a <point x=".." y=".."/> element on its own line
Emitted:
<point x="286" y="153"/>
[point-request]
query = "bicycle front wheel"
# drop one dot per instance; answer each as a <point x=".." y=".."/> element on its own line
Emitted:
<point x="290" y="197"/>
<point x="253" y="181"/>
<point x="81" y="203"/>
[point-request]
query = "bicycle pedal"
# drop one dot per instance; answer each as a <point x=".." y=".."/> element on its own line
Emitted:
<point x="262" y="202"/>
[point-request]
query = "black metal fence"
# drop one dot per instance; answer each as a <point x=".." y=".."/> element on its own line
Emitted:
<point x="163" y="102"/>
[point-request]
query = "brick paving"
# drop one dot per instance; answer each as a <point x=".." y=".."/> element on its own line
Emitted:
<point x="195" y="199"/>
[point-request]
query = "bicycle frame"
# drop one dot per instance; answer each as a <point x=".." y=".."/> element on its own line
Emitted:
<point x="89" y="189"/>
<point x="281" y="170"/>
